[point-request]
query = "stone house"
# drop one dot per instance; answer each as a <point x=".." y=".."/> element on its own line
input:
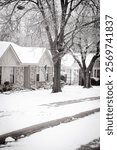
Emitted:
<point x="71" y="70"/>
<point x="25" y="66"/>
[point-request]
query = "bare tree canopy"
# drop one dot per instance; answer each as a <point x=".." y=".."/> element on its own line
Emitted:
<point x="61" y="21"/>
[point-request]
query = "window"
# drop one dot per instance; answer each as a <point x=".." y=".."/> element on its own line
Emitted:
<point x="37" y="77"/>
<point x="12" y="75"/>
<point x="47" y="77"/>
<point x="91" y="73"/>
<point x="98" y="73"/>
<point x="95" y="73"/>
<point x="45" y="67"/>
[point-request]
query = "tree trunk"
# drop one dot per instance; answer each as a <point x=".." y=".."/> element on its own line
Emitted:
<point x="87" y="79"/>
<point x="57" y="76"/>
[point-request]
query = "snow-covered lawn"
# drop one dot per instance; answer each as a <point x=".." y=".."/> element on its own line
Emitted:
<point x="22" y="109"/>
<point x="18" y="120"/>
<point x="22" y="100"/>
<point x="68" y="136"/>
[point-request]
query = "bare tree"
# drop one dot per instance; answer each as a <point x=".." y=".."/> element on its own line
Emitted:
<point x="86" y="70"/>
<point x="10" y="29"/>
<point x="85" y="40"/>
<point x="55" y="17"/>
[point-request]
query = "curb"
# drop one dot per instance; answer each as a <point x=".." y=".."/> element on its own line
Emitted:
<point x="21" y="133"/>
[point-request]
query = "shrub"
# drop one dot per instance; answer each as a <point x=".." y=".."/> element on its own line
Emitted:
<point x="95" y="81"/>
<point x="7" y="86"/>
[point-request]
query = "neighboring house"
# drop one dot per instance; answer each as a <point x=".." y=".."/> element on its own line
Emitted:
<point x="70" y="69"/>
<point x="24" y="66"/>
<point x="96" y="69"/>
<point x="72" y="72"/>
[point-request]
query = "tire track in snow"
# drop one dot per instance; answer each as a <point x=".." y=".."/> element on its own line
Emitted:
<point x="58" y="104"/>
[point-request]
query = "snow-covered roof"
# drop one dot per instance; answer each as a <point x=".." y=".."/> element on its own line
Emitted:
<point x="68" y="59"/>
<point x="25" y="54"/>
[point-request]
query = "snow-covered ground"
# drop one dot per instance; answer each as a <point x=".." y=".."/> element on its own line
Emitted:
<point x="25" y="108"/>
<point x="20" y="119"/>
<point x="69" y="136"/>
<point x="22" y="100"/>
<point x="22" y="109"/>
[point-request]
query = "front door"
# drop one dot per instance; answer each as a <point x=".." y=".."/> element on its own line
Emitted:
<point x="26" y="77"/>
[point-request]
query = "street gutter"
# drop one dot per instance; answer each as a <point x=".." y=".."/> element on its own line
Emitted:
<point x="21" y="133"/>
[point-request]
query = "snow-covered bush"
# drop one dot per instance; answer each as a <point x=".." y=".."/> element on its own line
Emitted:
<point x="7" y="86"/>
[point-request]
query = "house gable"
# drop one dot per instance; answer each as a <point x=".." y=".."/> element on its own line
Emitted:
<point x="46" y="59"/>
<point x="9" y="58"/>
<point x="75" y="65"/>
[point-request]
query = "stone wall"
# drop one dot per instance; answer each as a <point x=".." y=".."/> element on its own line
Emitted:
<point x="33" y="76"/>
<point x="33" y="70"/>
<point x="19" y="77"/>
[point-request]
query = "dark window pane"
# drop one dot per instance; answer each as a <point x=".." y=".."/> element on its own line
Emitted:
<point x="47" y="77"/>
<point x="95" y="73"/>
<point x="98" y="73"/>
<point x="37" y="77"/>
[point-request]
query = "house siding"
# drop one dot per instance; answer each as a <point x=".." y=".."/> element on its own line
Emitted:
<point x="72" y="74"/>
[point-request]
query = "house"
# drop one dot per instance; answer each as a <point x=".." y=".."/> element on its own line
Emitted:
<point x="70" y="69"/>
<point x="72" y="72"/>
<point x="25" y="66"/>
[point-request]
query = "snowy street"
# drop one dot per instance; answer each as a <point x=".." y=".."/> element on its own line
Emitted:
<point x="26" y="108"/>
<point x="69" y="136"/>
